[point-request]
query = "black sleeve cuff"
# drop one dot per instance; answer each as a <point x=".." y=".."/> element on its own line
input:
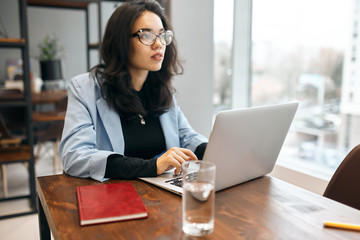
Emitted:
<point x="119" y="166"/>
<point x="200" y="150"/>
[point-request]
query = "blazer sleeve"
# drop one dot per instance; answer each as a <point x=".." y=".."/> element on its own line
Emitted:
<point x="78" y="151"/>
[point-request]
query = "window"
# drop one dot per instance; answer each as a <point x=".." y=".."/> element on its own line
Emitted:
<point x="305" y="51"/>
<point x="223" y="36"/>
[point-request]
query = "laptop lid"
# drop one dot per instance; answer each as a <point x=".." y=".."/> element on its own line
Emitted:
<point x="244" y="144"/>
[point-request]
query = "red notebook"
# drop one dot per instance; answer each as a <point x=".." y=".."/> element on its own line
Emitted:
<point x="109" y="203"/>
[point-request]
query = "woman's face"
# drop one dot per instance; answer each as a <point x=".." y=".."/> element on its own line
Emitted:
<point x="145" y="58"/>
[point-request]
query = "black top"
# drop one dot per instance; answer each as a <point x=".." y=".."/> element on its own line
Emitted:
<point x="143" y="144"/>
<point x="143" y="140"/>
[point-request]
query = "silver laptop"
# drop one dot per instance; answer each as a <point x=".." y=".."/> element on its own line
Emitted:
<point x="244" y="144"/>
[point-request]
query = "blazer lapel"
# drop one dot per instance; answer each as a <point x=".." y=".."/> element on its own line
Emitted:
<point x="112" y="124"/>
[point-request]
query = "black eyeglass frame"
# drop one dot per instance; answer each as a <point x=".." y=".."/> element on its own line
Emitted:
<point x="162" y="39"/>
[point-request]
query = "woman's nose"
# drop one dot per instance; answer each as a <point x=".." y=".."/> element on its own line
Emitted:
<point x="157" y="43"/>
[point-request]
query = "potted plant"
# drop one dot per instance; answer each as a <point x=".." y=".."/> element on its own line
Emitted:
<point x="50" y="63"/>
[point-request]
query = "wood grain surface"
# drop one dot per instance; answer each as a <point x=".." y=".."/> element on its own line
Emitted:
<point x="264" y="208"/>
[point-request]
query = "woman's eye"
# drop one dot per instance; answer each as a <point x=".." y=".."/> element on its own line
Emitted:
<point x="146" y="35"/>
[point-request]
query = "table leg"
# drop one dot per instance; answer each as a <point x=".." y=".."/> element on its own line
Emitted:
<point x="43" y="224"/>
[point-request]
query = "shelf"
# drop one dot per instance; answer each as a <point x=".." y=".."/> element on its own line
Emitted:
<point x="48" y="116"/>
<point x="93" y="46"/>
<point x="12" y="42"/>
<point x="12" y="103"/>
<point x="48" y="97"/>
<point x="11" y="99"/>
<point x="79" y="4"/>
<point x="10" y="95"/>
<point x="10" y="143"/>
<point x="19" y="154"/>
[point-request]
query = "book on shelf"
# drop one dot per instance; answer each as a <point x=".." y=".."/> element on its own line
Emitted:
<point x="109" y="203"/>
<point x="14" y="69"/>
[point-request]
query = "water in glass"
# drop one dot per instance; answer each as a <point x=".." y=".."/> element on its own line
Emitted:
<point x="198" y="208"/>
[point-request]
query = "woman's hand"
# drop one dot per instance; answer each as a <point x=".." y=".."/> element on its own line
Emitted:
<point x="174" y="157"/>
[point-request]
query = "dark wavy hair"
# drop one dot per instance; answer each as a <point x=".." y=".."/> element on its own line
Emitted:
<point x="113" y="76"/>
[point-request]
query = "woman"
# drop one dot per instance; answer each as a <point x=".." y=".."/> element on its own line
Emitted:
<point x="122" y="120"/>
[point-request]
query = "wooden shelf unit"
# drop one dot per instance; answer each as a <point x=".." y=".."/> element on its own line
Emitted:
<point x="22" y="153"/>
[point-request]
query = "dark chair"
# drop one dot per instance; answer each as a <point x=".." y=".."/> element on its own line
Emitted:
<point x="8" y="143"/>
<point x="12" y="132"/>
<point x="344" y="185"/>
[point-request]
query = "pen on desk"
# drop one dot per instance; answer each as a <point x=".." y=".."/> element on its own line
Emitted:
<point x="342" y="225"/>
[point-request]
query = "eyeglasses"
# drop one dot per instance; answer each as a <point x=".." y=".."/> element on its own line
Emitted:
<point x="148" y="38"/>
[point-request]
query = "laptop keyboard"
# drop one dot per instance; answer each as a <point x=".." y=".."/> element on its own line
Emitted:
<point x="178" y="181"/>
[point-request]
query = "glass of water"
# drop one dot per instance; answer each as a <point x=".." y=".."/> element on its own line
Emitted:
<point x="198" y="198"/>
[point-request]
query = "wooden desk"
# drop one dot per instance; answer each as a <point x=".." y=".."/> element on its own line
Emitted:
<point x="265" y="208"/>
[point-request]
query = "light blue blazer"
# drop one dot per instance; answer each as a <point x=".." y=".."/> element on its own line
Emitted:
<point x="92" y="130"/>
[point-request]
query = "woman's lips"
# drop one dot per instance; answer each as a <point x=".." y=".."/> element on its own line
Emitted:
<point x="157" y="57"/>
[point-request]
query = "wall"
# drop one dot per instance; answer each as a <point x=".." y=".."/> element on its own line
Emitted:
<point x="193" y="28"/>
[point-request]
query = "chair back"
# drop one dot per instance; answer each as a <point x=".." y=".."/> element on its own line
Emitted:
<point x="344" y="184"/>
<point x="4" y="131"/>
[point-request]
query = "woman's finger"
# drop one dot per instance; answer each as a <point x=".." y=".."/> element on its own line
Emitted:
<point x="190" y="155"/>
<point x="177" y="164"/>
